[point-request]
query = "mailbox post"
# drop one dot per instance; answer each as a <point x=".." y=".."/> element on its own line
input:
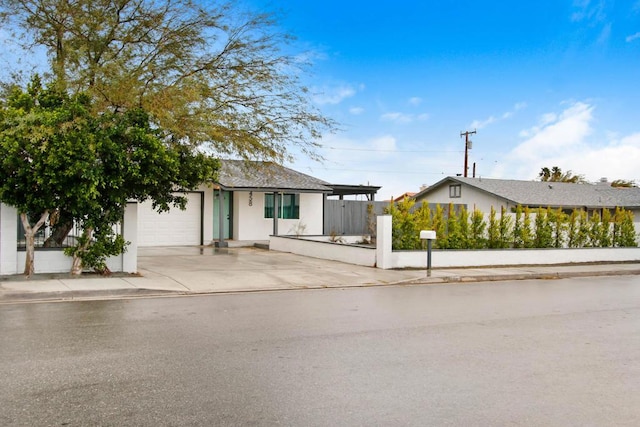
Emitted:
<point x="429" y="236"/>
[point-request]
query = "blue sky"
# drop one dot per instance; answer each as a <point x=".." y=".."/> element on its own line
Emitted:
<point x="544" y="83"/>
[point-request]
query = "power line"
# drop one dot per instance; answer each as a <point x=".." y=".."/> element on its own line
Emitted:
<point x="381" y="171"/>
<point x="393" y="151"/>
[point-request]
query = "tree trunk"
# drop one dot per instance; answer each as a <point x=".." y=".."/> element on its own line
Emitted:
<point x="30" y="240"/>
<point x="60" y="232"/>
<point x="76" y="264"/>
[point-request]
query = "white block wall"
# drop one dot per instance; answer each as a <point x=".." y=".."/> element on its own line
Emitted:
<point x="386" y="258"/>
<point x="8" y="239"/>
<point x="54" y="260"/>
<point x="324" y="250"/>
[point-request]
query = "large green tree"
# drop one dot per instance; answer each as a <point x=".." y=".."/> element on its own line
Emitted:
<point x="58" y="156"/>
<point x="206" y="72"/>
<point x="33" y="131"/>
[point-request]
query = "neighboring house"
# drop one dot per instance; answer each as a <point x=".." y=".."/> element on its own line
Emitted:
<point x="482" y="194"/>
<point x="252" y="192"/>
<point x="406" y="195"/>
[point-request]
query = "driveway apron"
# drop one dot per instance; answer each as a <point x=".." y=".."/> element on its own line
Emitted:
<point x="210" y="269"/>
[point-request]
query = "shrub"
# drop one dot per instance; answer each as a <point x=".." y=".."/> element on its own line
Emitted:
<point x="478" y="226"/>
<point x="504" y="228"/>
<point x="551" y="227"/>
<point x="543" y="233"/>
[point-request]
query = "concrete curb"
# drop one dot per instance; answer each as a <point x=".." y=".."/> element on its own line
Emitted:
<point x="12" y="297"/>
<point x="522" y="276"/>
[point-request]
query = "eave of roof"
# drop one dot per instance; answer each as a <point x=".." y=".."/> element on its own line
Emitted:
<point x="240" y="175"/>
<point x="553" y="194"/>
<point x="352" y="190"/>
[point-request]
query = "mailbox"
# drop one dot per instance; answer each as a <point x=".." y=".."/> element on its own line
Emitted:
<point x="427" y="235"/>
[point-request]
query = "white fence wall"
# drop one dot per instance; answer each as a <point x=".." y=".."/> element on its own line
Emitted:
<point x="53" y="260"/>
<point x="384" y="257"/>
<point x="511" y="257"/>
<point x="325" y="250"/>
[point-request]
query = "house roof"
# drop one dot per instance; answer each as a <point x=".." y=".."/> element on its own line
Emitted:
<point x="353" y="190"/>
<point x="554" y="194"/>
<point x="406" y="194"/>
<point x="252" y="175"/>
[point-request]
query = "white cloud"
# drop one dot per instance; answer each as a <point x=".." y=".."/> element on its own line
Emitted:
<point x="403" y="118"/>
<point x="633" y="37"/>
<point x="563" y="139"/>
<point x="333" y="95"/>
<point x="415" y="101"/>
<point x="397" y="117"/>
<point x="384" y="143"/>
<point x="340" y="149"/>
<point x="544" y="120"/>
<point x="588" y="10"/>
<point x="356" y="110"/>
<point x="605" y="34"/>
<point x="557" y="134"/>
<point x="310" y="57"/>
<point x="479" y="124"/>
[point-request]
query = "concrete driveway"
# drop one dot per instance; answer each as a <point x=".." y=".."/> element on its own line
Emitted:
<point x="209" y="269"/>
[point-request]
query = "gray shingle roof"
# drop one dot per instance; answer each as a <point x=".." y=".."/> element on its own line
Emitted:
<point x="554" y="194"/>
<point x="247" y="175"/>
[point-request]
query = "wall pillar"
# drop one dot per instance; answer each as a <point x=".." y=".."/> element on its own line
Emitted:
<point x="8" y="240"/>
<point x="383" y="242"/>
<point x="130" y="234"/>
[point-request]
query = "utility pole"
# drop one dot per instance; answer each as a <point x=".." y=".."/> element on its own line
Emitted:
<point x="467" y="146"/>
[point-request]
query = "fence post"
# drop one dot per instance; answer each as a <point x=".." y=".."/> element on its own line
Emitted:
<point x="383" y="242"/>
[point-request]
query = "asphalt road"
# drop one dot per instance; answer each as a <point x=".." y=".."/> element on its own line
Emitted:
<point x="561" y="352"/>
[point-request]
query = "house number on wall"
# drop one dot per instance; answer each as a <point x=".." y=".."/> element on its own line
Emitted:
<point x="250" y="198"/>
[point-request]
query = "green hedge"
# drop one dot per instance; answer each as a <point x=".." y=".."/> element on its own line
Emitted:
<point x="457" y="228"/>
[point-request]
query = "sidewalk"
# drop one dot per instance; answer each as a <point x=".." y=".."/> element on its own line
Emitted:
<point x="196" y="271"/>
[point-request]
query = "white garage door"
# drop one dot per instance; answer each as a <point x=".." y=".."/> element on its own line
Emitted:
<point x="173" y="228"/>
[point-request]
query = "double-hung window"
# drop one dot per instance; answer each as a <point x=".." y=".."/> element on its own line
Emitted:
<point x="455" y="191"/>
<point x="288" y="205"/>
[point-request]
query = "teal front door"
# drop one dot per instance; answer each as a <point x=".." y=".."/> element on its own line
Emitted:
<point x="226" y="216"/>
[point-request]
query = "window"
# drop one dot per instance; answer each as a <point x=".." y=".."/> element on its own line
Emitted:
<point x="288" y="206"/>
<point x="455" y="190"/>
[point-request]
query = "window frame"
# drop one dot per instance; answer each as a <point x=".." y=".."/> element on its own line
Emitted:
<point x="288" y="208"/>
<point x="455" y="191"/>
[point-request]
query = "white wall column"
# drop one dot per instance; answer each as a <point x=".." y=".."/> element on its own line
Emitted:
<point x="8" y="239"/>
<point x="383" y="242"/>
<point x="130" y="234"/>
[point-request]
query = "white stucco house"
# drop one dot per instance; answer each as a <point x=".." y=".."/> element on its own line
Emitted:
<point x="259" y="199"/>
<point x="251" y="193"/>
<point x="483" y="193"/>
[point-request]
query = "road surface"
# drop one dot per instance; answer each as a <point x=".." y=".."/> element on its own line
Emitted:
<point x="556" y="352"/>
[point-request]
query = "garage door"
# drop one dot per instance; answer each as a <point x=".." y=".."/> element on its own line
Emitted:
<point x="173" y="228"/>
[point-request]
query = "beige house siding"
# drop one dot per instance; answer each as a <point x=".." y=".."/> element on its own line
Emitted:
<point x="474" y="198"/>
<point x="469" y="196"/>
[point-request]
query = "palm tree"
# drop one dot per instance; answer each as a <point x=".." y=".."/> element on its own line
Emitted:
<point x="555" y="174"/>
<point x="623" y="183"/>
